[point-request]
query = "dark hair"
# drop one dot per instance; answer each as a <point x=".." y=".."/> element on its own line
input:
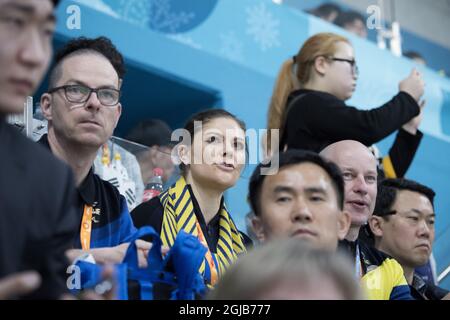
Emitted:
<point x="348" y="17"/>
<point x="387" y="193"/>
<point x="204" y="117"/>
<point x="55" y="3"/>
<point x="100" y="45"/>
<point x="325" y="10"/>
<point x="293" y="157"/>
<point x="151" y="132"/>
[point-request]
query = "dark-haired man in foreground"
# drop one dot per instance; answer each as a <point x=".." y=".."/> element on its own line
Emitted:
<point x="37" y="214"/>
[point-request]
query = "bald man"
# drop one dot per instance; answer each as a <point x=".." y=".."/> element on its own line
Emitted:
<point x="381" y="276"/>
<point x="359" y="170"/>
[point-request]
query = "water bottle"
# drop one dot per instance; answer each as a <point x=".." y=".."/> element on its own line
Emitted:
<point x="155" y="186"/>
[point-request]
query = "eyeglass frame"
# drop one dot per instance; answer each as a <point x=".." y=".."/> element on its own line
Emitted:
<point x="395" y="212"/>
<point x="89" y="95"/>
<point x="352" y="63"/>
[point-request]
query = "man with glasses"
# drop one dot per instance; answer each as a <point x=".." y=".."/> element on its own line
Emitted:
<point x="82" y="108"/>
<point x="403" y="227"/>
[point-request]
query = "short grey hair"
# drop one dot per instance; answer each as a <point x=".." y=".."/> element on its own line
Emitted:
<point x="285" y="259"/>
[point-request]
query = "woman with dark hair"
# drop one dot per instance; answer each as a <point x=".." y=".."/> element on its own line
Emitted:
<point x="212" y="155"/>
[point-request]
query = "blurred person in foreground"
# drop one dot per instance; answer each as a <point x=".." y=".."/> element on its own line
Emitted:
<point x="288" y="269"/>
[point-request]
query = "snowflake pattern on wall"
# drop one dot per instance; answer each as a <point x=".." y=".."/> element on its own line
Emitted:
<point x="231" y="47"/>
<point x="185" y="40"/>
<point x="161" y="17"/>
<point x="155" y="14"/>
<point x="262" y="27"/>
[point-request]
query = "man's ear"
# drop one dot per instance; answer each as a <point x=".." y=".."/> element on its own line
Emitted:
<point x="320" y="65"/>
<point x="376" y="225"/>
<point x="344" y="223"/>
<point x="258" y="228"/>
<point x="118" y="113"/>
<point x="46" y="105"/>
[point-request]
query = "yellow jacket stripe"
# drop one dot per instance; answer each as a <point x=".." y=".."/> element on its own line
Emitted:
<point x="179" y="215"/>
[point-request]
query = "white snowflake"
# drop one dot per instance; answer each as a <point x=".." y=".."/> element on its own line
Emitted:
<point x="231" y="47"/>
<point x="154" y="13"/>
<point x="185" y="40"/>
<point x="262" y="26"/>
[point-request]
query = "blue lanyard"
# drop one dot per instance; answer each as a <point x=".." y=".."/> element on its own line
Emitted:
<point x="357" y="264"/>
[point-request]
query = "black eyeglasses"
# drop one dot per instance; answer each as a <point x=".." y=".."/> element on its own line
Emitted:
<point x="352" y="63"/>
<point x="77" y="93"/>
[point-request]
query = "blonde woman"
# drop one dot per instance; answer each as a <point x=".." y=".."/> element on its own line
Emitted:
<point x="308" y="104"/>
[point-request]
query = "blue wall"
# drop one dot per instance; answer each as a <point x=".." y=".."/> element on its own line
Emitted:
<point x="437" y="56"/>
<point x="228" y="54"/>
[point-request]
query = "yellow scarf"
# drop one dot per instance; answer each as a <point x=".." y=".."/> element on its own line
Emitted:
<point x="179" y="215"/>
